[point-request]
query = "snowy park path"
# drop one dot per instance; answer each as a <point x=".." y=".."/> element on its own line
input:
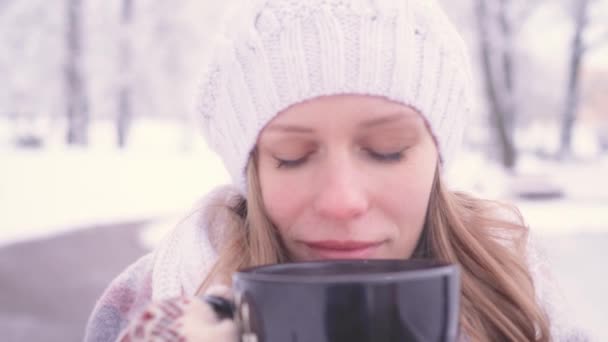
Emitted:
<point x="48" y="287"/>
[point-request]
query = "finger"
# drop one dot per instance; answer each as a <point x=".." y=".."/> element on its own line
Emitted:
<point x="200" y="324"/>
<point x="201" y="311"/>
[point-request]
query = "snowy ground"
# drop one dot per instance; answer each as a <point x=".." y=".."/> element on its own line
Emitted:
<point x="45" y="192"/>
<point x="53" y="190"/>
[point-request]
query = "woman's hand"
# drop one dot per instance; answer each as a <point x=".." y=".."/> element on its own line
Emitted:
<point x="182" y="319"/>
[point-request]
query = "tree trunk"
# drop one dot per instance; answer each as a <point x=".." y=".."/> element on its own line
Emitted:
<point x="507" y="62"/>
<point x="577" y="53"/>
<point x="125" y="110"/>
<point x="498" y="83"/>
<point x="75" y="85"/>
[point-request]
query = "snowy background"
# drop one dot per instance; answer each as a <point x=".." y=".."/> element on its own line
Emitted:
<point x="136" y="154"/>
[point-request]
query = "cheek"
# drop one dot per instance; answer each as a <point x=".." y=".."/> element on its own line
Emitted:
<point x="407" y="202"/>
<point x="282" y="200"/>
<point x="278" y="205"/>
<point x="404" y="199"/>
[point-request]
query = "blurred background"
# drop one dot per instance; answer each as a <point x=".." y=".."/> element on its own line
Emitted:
<point x="101" y="151"/>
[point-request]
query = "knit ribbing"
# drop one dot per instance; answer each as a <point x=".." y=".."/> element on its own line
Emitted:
<point x="285" y="51"/>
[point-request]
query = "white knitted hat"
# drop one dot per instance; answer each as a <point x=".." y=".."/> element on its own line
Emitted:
<point x="281" y="52"/>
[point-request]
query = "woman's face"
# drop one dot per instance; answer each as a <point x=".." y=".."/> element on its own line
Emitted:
<point x="347" y="177"/>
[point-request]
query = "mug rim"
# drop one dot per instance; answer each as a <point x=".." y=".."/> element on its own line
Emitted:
<point x="425" y="268"/>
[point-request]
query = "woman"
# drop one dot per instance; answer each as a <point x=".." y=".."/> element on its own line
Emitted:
<point x="336" y="120"/>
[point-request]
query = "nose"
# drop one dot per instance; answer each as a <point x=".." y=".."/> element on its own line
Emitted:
<point x="341" y="195"/>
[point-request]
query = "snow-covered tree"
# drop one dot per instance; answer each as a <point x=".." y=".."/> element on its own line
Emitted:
<point x="76" y="97"/>
<point x="30" y="72"/>
<point x="584" y="38"/>
<point x="125" y="83"/>
<point x="498" y="25"/>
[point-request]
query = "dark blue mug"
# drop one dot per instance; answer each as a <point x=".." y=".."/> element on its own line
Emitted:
<point x="346" y="301"/>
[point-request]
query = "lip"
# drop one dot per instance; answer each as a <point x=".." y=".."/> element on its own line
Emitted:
<point x="333" y="249"/>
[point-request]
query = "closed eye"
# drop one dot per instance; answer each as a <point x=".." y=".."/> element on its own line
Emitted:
<point x="387" y="157"/>
<point x="290" y="163"/>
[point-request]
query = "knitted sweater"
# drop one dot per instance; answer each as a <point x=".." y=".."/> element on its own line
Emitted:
<point x="179" y="264"/>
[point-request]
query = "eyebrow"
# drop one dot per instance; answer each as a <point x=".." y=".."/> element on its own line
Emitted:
<point x="391" y="118"/>
<point x="290" y="128"/>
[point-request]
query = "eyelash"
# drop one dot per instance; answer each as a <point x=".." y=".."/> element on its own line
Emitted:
<point x="288" y="164"/>
<point x="384" y="158"/>
<point x="388" y="157"/>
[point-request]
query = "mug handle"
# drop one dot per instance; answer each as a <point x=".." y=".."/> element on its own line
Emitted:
<point x="224" y="309"/>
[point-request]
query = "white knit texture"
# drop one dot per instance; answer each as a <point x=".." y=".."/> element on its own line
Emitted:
<point x="283" y="52"/>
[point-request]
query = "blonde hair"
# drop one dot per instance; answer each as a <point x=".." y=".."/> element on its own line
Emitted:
<point x="497" y="294"/>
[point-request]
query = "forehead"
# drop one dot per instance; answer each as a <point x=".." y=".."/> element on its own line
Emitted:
<point x="344" y="111"/>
